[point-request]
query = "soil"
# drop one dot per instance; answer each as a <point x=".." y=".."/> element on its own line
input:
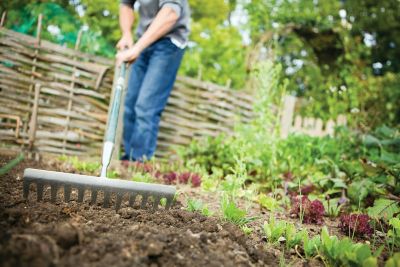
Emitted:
<point x="78" y="234"/>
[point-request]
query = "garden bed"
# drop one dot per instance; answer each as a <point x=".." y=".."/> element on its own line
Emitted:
<point x="66" y="234"/>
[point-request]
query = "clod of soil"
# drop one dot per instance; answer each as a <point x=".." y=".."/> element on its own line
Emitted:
<point x="72" y="234"/>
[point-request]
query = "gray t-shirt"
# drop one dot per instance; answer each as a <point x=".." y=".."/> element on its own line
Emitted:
<point x="148" y="10"/>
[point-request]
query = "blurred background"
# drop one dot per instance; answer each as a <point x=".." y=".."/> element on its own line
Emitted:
<point x="340" y="57"/>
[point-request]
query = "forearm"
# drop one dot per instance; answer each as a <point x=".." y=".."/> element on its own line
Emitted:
<point x="161" y="25"/>
<point x="126" y="19"/>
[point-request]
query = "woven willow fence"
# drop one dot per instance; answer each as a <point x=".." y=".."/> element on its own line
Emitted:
<point x="55" y="99"/>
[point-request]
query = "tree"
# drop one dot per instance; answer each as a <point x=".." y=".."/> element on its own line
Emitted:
<point x="325" y="56"/>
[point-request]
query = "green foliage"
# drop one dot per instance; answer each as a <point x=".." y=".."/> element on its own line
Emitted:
<point x="348" y="166"/>
<point x="333" y="207"/>
<point x="82" y="165"/>
<point x="196" y="205"/>
<point x="233" y="214"/>
<point x="211" y="153"/>
<point x="216" y="51"/>
<point x="274" y="230"/>
<point x="311" y="246"/>
<point x="143" y="177"/>
<point x="60" y="25"/>
<point x="113" y="174"/>
<point x="246" y="230"/>
<point x="394" y="261"/>
<point x="282" y="231"/>
<point x="268" y="202"/>
<point x="384" y="209"/>
<point x="322" y="47"/>
<point x="394" y="233"/>
<point x="344" y="252"/>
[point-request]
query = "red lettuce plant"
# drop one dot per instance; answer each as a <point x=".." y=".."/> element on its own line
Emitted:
<point x="357" y="224"/>
<point x="186" y="177"/>
<point x="170" y="177"/>
<point x="310" y="211"/>
<point x="144" y="167"/>
<point x="196" y="180"/>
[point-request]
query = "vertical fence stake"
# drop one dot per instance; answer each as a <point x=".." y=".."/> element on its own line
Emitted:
<point x="33" y="121"/>
<point x="287" y="115"/>
<point x="33" y="70"/>
<point x="71" y="94"/>
<point x="3" y="19"/>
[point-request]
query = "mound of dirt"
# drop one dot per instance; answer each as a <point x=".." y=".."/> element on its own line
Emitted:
<point x="78" y="234"/>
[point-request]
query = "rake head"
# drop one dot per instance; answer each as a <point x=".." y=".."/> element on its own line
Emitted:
<point x="121" y="188"/>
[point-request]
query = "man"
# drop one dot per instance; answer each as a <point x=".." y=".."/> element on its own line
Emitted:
<point x="162" y="37"/>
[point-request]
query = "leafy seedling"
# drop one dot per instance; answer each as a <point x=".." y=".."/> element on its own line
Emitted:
<point x="233" y="214"/>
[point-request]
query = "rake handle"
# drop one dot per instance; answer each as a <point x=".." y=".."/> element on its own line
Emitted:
<point x="115" y="105"/>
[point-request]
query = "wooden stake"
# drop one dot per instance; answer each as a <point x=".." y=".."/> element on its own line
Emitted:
<point x="3" y="19"/>
<point x="33" y="122"/>
<point x="287" y="115"/>
<point x="39" y="29"/>
<point x="71" y="92"/>
<point x="33" y="70"/>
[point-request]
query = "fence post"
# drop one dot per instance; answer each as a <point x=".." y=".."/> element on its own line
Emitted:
<point x="3" y="19"/>
<point x="287" y="115"/>
<point x="71" y="94"/>
<point x="33" y="121"/>
<point x="33" y="70"/>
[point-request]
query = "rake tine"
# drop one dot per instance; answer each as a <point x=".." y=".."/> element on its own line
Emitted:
<point x="144" y="201"/>
<point x="156" y="202"/>
<point x="106" y="203"/>
<point x="169" y="202"/>
<point x="26" y="188"/>
<point x="93" y="196"/>
<point x="81" y="193"/>
<point x="67" y="193"/>
<point x="132" y="199"/>
<point x="40" y="188"/>
<point x="118" y="202"/>
<point x="53" y="193"/>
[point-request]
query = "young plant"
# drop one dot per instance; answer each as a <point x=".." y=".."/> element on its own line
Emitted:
<point x="143" y="177"/>
<point x="234" y="183"/>
<point x="246" y="230"/>
<point x="268" y="202"/>
<point x="308" y="211"/>
<point x="81" y="165"/>
<point x="393" y="261"/>
<point x="355" y="224"/>
<point x="196" y="205"/>
<point x="333" y="207"/>
<point x="233" y="214"/>
<point x="293" y="237"/>
<point x="344" y="252"/>
<point x="394" y="234"/>
<point x="279" y="231"/>
<point x="274" y="230"/>
<point x="310" y="246"/>
<point x="113" y="174"/>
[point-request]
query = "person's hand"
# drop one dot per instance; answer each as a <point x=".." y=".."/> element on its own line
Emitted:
<point x="128" y="55"/>
<point x="125" y="42"/>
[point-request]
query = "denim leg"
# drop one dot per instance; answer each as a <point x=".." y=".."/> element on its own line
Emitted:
<point x="164" y="61"/>
<point x="138" y="71"/>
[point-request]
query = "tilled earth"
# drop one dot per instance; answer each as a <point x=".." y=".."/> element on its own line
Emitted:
<point x="78" y="234"/>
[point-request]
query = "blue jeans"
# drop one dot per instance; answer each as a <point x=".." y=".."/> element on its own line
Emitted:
<point x="150" y="83"/>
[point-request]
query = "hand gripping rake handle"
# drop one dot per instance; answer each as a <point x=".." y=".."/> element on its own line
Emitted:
<point x="108" y="146"/>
